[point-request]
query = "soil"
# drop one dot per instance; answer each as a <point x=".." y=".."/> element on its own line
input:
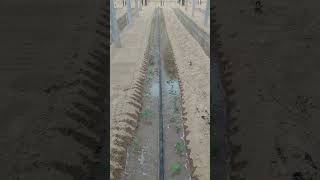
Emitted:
<point x="143" y="159"/>
<point x="45" y="103"/>
<point x="127" y="73"/>
<point x="193" y="74"/>
<point x="275" y="59"/>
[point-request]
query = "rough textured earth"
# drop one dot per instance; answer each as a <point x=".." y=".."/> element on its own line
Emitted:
<point x="45" y="103"/>
<point x="275" y="56"/>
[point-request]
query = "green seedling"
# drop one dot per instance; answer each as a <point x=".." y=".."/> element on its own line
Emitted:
<point x="173" y="119"/>
<point x="169" y="81"/>
<point x="149" y="75"/>
<point x="145" y="114"/>
<point x="175" y="168"/>
<point x="180" y="147"/>
<point x="147" y="93"/>
<point x="136" y="144"/>
<point x="178" y="128"/>
<point x="150" y="71"/>
<point x="172" y="92"/>
<point x="176" y="109"/>
<point x="175" y="104"/>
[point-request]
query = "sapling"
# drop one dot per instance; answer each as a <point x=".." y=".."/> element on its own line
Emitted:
<point x="178" y="128"/>
<point x="180" y="147"/>
<point x="175" y="168"/>
<point x="136" y="144"/>
<point x="145" y="113"/>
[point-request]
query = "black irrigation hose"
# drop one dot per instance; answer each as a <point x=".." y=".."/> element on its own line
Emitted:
<point x="161" y="168"/>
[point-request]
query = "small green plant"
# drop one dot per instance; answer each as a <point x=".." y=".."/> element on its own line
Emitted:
<point x="150" y="71"/>
<point x="178" y="128"/>
<point x="175" y="104"/>
<point x="173" y="119"/>
<point x="176" y="109"/>
<point x="172" y="92"/>
<point x="147" y="93"/>
<point x="145" y="113"/>
<point x="136" y="144"/>
<point x="149" y="74"/>
<point x="180" y="147"/>
<point x="175" y="168"/>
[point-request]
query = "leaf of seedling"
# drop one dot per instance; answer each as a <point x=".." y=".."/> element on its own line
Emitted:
<point x="147" y="93"/>
<point x="145" y="114"/>
<point x="180" y="147"/>
<point x="172" y="92"/>
<point x="149" y="75"/>
<point x="176" y="109"/>
<point x="178" y="128"/>
<point x="173" y="119"/>
<point x="175" y="168"/>
<point x="136" y="143"/>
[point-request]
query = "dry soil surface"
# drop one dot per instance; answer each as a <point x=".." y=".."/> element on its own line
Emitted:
<point x="275" y="56"/>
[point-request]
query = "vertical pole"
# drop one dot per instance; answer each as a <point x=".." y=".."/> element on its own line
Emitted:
<point x="129" y="14"/>
<point x="114" y="25"/>
<point x="207" y="12"/>
<point x="193" y="6"/>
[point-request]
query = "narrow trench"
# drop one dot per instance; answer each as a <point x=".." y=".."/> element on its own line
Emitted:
<point x="220" y="99"/>
<point x="160" y="120"/>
